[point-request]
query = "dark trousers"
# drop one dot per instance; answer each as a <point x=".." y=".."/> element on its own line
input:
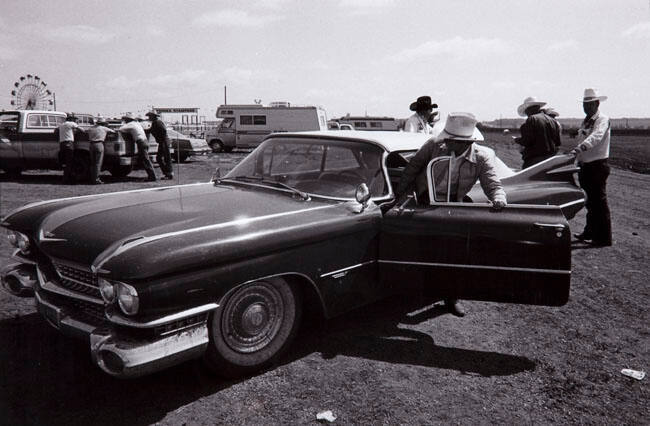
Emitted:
<point x="66" y="156"/>
<point x="143" y="155"/>
<point x="164" y="158"/>
<point x="96" y="159"/>
<point x="593" y="179"/>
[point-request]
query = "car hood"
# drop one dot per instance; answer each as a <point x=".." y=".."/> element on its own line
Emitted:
<point x="156" y="225"/>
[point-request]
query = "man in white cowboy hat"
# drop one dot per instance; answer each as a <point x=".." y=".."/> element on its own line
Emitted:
<point x="66" y="145"/>
<point x="540" y="134"/>
<point x="96" y="137"/>
<point x="420" y="121"/>
<point x="163" y="157"/>
<point x="469" y="163"/>
<point x="134" y="129"/>
<point x="592" y="153"/>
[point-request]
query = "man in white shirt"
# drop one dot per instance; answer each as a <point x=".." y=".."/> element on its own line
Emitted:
<point x="66" y="145"/>
<point x="420" y="121"/>
<point x="592" y="153"/>
<point x="134" y="129"/>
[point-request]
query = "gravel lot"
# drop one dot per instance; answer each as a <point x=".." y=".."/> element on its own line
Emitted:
<point x="398" y="361"/>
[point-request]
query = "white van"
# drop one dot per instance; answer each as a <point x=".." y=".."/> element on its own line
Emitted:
<point x="246" y="125"/>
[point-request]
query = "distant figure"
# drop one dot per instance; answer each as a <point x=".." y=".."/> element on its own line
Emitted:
<point x="66" y="145"/>
<point x="163" y="157"/>
<point x="135" y="130"/>
<point x="468" y="164"/>
<point x="592" y="153"/>
<point x="422" y="120"/>
<point x="540" y="134"/>
<point x="96" y="136"/>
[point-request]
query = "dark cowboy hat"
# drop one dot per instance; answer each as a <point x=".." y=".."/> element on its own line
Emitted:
<point x="422" y="104"/>
<point x="152" y="114"/>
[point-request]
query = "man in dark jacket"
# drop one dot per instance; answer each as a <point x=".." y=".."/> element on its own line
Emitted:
<point x="540" y="134"/>
<point x="163" y="157"/>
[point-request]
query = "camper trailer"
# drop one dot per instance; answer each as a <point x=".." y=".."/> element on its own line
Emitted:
<point x="245" y="126"/>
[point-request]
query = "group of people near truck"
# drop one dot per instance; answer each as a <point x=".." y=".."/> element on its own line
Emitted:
<point x="540" y="139"/>
<point x="131" y="129"/>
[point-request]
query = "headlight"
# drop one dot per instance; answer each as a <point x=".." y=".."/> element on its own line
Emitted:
<point x="107" y="290"/>
<point x="19" y="240"/>
<point x="127" y="298"/>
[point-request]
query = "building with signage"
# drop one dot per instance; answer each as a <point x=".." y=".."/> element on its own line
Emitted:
<point x="185" y="120"/>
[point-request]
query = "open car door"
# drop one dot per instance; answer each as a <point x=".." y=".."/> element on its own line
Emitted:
<point x="520" y="254"/>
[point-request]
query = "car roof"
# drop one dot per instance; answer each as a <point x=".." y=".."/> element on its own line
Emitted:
<point x="39" y="111"/>
<point x="390" y="141"/>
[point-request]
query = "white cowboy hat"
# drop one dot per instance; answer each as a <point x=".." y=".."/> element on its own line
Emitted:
<point x="128" y="116"/>
<point x="461" y="126"/>
<point x="592" y="95"/>
<point x="528" y="102"/>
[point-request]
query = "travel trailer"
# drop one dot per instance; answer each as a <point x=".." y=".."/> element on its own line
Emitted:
<point x="369" y="123"/>
<point x="245" y="126"/>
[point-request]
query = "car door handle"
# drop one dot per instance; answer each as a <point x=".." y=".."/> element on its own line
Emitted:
<point x="554" y="226"/>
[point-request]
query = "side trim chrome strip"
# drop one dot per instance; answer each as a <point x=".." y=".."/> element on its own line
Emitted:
<point x="118" y="319"/>
<point x="358" y="265"/>
<point x="571" y="203"/>
<point x="485" y="267"/>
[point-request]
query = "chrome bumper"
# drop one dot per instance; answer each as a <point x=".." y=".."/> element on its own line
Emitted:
<point x="124" y="356"/>
<point x="19" y="279"/>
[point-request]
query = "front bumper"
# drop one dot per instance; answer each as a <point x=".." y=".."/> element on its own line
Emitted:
<point x="113" y="346"/>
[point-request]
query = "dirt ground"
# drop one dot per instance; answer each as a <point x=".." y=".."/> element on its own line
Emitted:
<point x="399" y="361"/>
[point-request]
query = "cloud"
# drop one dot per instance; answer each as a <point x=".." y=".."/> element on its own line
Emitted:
<point x="160" y="81"/>
<point x="76" y="33"/>
<point x="563" y="46"/>
<point x="365" y="7"/>
<point x="152" y="30"/>
<point x="638" y="31"/>
<point x="232" y="18"/>
<point x="456" y="47"/>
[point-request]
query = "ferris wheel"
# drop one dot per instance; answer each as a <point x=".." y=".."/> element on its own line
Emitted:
<point x="30" y="92"/>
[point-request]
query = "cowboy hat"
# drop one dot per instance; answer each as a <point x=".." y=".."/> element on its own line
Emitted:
<point x="100" y="120"/>
<point x="461" y="126"/>
<point x="69" y="116"/>
<point x="528" y="102"/>
<point x="128" y="116"/>
<point x="152" y="114"/>
<point x="592" y="95"/>
<point x="423" y="103"/>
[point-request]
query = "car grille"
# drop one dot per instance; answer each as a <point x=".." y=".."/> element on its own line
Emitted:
<point x="77" y="280"/>
<point x="90" y="313"/>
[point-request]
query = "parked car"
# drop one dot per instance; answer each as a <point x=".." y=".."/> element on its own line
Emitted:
<point x="28" y="142"/>
<point x="224" y="269"/>
<point x="185" y="146"/>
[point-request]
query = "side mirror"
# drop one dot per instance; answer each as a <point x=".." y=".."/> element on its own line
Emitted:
<point x="216" y="176"/>
<point x="362" y="195"/>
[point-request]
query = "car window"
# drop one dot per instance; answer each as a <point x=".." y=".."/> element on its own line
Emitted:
<point x="34" y="120"/>
<point x="55" y="120"/>
<point x="330" y="168"/>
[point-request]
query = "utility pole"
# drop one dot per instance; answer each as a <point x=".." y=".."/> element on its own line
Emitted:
<point x="54" y="99"/>
<point x="225" y="98"/>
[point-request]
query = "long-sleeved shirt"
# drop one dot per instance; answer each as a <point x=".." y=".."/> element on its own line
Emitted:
<point x="540" y="135"/>
<point x="594" y="135"/>
<point x="66" y="131"/>
<point x="98" y="133"/>
<point x="159" y="131"/>
<point x="417" y="124"/>
<point x="475" y="163"/>
<point x="134" y="129"/>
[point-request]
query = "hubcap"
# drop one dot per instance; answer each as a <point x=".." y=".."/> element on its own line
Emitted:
<point x="252" y="317"/>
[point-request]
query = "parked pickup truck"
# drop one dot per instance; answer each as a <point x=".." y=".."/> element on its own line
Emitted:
<point x="28" y="141"/>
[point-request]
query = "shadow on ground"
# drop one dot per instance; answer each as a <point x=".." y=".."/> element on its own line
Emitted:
<point x="48" y="378"/>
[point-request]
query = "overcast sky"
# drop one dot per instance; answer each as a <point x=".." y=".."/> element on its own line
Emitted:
<point x="350" y="56"/>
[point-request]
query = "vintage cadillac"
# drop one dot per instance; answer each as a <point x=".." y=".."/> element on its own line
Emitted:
<point x="223" y="270"/>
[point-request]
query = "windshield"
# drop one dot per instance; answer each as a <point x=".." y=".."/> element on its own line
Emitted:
<point x="227" y="123"/>
<point x="9" y="120"/>
<point x="316" y="166"/>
